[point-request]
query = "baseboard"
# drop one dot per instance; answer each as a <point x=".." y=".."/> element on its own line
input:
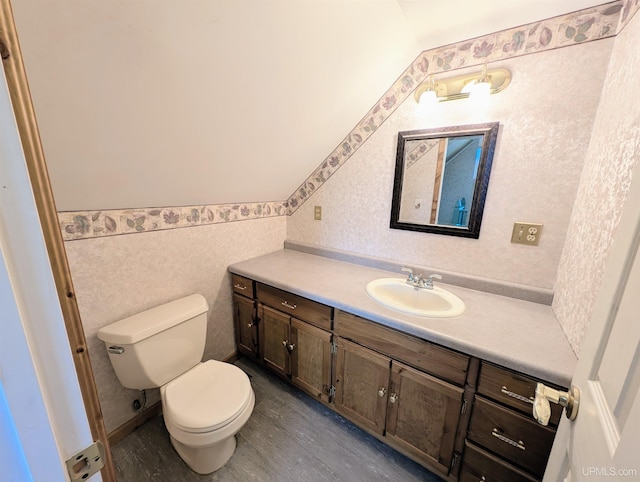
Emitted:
<point x="148" y="413"/>
<point x="234" y="357"/>
<point x="140" y="419"/>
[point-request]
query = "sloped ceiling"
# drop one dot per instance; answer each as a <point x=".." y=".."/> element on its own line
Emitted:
<point x="179" y="102"/>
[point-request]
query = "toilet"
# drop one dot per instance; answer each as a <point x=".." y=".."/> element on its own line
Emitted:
<point x="204" y="404"/>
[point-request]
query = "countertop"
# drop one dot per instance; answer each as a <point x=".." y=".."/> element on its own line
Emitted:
<point x="517" y="334"/>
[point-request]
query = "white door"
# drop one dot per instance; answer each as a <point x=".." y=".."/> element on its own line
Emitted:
<point x="42" y="416"/>
<point x="603" y="443"/>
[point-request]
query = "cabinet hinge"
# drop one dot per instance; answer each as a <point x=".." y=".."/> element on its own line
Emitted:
<point x="334" y="347"/>
<point x="454" y="461"/>
<point x="332" y="391"/>
<point x="464" y="407"/>
<point x="87" y="462"/>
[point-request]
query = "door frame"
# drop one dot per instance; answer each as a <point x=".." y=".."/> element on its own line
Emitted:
<point x="24" y="113"/>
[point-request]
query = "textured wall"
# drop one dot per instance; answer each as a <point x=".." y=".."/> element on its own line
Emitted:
<point x="541" y="150"/>
<point x="542" y="143"/>
<point x="118" y="276"/>
<point x="613" y="153"/>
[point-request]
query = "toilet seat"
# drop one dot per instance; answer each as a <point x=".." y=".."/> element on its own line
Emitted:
<point x="206" y="398"/>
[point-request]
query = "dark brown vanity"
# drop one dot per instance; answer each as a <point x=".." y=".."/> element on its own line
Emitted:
<point x="463" y="417"/>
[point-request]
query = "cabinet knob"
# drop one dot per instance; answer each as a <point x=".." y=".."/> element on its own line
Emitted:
<point x="291" y="347"/>
<point x="284" y="342"/>
<point x="250" y="325"/>
<point x="382" y="391"/>
<point x="393" y="398"/>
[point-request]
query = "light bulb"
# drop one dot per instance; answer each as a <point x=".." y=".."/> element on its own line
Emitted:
<point x="428" y="99"/>
<point x="480" y="89"/>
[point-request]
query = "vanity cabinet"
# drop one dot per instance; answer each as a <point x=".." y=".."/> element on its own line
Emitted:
<point x="311" y="359"/>
<point x="245" y="316"/>
<point x="296" y="348"/>
<point x="480" y="465"/>
<point x="466" y="419"/>
<point x="502" y="424"/>
<point x="275" y="340"/>
<point x="362" y="385"/>
<point x="412" y="410"/>
<point x="424" y="413"/>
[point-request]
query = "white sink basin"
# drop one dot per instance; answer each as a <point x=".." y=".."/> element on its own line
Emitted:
<point x="396" y="294"/>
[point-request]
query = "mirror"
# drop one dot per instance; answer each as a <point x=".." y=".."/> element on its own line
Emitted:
<point x="441" y="179"/>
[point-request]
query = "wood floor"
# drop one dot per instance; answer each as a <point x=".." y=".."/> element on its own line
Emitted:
<point x="289" y="437"/>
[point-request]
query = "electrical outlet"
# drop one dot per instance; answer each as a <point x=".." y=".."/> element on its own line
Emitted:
<point x="526" y="233"/>
<point x="317" y="213"/>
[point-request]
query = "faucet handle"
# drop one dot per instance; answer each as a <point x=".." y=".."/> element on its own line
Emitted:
<point x="410" y="271"/>
<point x="428" y="282"/>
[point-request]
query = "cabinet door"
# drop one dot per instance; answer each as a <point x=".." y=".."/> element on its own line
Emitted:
<point x="244" y="314"/>
<point x="362" y="383"/>
<point x="274" y="340"/>
<point x="311" y="359"/>
<point x="423" y="415"/>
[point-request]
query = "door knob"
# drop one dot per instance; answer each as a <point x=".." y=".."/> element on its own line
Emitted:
<point x="541" y="408"/>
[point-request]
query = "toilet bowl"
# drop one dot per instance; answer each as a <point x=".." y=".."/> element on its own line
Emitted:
<point x="204" y="404"/>
<point x="203" y="409"/>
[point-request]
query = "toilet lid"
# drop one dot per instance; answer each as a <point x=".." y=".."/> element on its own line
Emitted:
<point x="207" y="397"/>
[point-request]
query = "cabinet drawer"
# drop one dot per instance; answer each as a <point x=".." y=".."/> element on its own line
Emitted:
<point x="306" y="310"/>
<point x="433" y="359"/>
<point x="243" y="286"/>
<point x="479" y="465"/>
<point x="513" y="389"/>
<point x="520" y="440"/>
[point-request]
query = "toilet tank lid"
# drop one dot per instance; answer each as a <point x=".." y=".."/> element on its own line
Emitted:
<point x="150" y="322"/>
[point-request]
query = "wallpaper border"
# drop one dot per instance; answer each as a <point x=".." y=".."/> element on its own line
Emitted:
<point x="586" y="25"/>
<point x="92" y="224"/>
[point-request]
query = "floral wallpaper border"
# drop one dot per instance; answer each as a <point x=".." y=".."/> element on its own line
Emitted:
<point x="91" y="224"/>
<point x="582" y="26"/>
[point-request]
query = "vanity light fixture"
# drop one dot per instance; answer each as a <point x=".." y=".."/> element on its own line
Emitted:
<point x="429" y="95"/>
<point x="462" y="86"/>
<point x="480" y="88"/>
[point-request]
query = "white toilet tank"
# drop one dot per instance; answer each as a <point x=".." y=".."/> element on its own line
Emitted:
<point x="151" y="348"/>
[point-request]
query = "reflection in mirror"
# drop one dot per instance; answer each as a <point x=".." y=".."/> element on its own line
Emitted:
<point x="441" y="179"/>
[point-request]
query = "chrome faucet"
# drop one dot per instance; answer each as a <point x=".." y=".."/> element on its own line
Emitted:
<point x="411" y="278"/>
<point x="418" y="281"/>
<point x="428" y="283"/>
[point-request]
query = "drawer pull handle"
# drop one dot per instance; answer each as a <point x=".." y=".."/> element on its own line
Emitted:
<point x="519" y="444"/>
<point x="239" y="286"/>
<point x="287" y="305"/>
<point x="517" y="396"/>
